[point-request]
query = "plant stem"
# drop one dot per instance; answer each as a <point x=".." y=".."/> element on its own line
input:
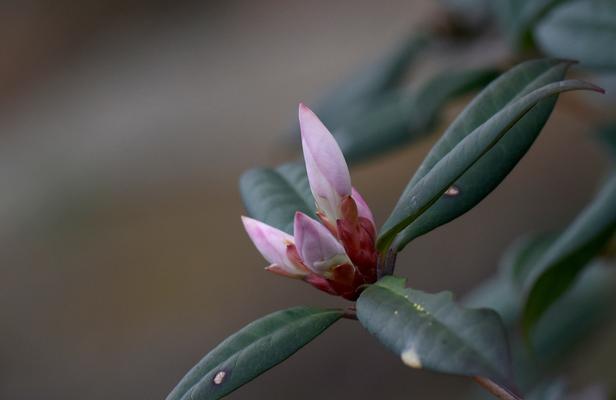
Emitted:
<point x="495" y="389"/>
<point x="386" y="263"/>
<point x="350" y="313"/>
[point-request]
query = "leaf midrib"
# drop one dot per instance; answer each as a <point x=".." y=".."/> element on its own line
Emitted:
<point x="518" y="95"/>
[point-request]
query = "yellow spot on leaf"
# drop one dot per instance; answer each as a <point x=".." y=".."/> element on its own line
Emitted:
<point x="418" y="307"/>
<point x="411" y="358"/>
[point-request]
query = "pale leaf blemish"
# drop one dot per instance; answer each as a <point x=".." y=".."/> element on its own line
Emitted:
<point x="419" y="308"/>
<point x="411" y="358"/>
<point x="219" y="377"/>
<point x="452" y="191"/>
<point x="395" y="312"/>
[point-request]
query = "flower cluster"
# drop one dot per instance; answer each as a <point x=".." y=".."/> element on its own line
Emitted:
<point x="336" y="254"/>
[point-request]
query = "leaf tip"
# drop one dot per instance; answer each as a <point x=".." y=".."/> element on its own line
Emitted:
<point x="596" y="88"/>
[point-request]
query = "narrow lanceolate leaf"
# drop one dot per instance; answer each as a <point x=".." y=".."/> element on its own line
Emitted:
<point x="430" y="331"/>
<point x="518" y="262"/>
<point x="557" y="269"/>
<point x="432" y="96"/>
<point x="274" y="195"/>
<point x="251" y="351"/>
<point x="481" y="179"/>
<point x="607" y="138"/>
<point x="503" y="292"/>
<point x="376" y="79"/>
<point x="583" y="30"/>
<point x="478" y="150"/>
<point x="519" y="16"/>
<point x="404" y="116"/>
<point x="571" y="319"/>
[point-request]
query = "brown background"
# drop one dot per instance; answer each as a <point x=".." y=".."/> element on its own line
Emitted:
<point x="123" y="129"/>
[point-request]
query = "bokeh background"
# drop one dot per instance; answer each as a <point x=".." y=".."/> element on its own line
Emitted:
<point x="124" y="126"/>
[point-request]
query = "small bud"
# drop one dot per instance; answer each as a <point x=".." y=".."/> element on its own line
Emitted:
<point x="327" y="171"/>
<point x="273" y="244"/>
<point x="316" y="246"/>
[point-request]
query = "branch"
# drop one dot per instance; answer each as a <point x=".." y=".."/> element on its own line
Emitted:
<point x="495" y="389"/>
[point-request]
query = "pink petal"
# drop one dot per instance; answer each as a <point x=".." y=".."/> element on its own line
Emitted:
<point x="272" y="244"/>
<point x="319" y="249"/>
<point x="328" y="173"/>
<point x="362" y="207"/>
<point x="285" y="271"/>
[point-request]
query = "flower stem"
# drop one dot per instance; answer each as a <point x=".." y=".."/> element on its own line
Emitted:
<point x="496" y="390"/>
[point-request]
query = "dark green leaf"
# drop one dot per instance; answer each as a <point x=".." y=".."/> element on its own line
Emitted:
<point x="575" y="314"/>
<point x="274" y="195"/>
<point x="559" y="389"/>
<point x="251" y="351"/>
<point x="377" y="79"/>
<point x="430" y="331"/>
<point x="551" y="390"/>
<point x="607" y="136"/>
<point x="570" y="320"/>
<point x="400" y="117"/>
<point x="518" y="17"/>
<point x="583" y="30"/>
<point x="462" y="164"/>
<point x="503" y="292"/>
<point x="519" y="260"/>
<point x="481" y="179"/>
<point x="444" y="86"/>
<point x="557" y="269"/>
<point x="502" y="122"/>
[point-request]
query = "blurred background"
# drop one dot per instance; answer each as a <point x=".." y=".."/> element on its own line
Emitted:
<point x="124" y="126"/>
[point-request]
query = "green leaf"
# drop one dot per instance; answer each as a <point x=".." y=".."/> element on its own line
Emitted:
<point x="518" y="262"/>
<point x="479" y="149"/>
<point x="607" y="137"/>
<point x="558" y="389"/>
<point x="551" y="390"/>
<point x="430" y="331"/>
<point x="518" y="17"/>
<point x="559" y="266"/>
<point x="378" y="78"/>
<point x="503" y="292"/>
<point x="575" y="315"/>
<point x="400" y="117"/>
<point x="251" y="351"/>
<point x="274" y="195"/>
<point x="583" y="30"/>
<point x="570" y="320"/>
<point x="435" y="93"/>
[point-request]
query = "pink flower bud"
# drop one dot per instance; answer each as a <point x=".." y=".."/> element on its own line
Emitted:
<point x="357" y="234"/>
<point x="327" y="171"/>
<point x="338" y="255"/>
<point x="362" y="207"/>
<point x="273" y="245"/>
<point x="317" y="247"/>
